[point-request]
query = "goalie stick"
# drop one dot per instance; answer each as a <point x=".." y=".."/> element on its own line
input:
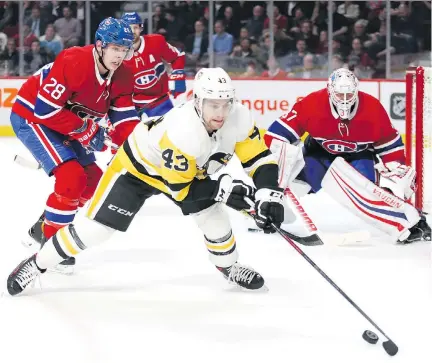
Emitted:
<point x="314" y="239"/>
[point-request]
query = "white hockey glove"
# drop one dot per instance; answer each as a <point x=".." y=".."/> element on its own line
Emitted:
<point x="233" y="192"/>
<point x="290" y="161"/>
<point x="269" y="208"/>
<point x="399" y="179"/>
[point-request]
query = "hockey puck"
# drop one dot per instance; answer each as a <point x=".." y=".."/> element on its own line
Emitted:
<point x="370" y="337"/>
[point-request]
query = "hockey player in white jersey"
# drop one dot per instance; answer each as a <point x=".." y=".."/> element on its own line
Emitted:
<point x="174" y="155"/>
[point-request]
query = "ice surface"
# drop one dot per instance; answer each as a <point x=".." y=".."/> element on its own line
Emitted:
<point x="151" y="295"/>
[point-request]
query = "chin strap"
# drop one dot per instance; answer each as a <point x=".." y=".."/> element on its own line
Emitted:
<point x="100" y="59"/>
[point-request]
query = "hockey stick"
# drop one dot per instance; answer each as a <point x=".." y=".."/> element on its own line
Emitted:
<point x="389" y="346"/>
<point x="305" y="241"/>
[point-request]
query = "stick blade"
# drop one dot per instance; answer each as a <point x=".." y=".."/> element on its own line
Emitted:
<point x="390" y="347"/>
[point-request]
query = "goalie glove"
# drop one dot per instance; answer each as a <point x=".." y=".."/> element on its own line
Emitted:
<point x="177" y="82"/>
<point x="269" y="208"/>
<point x="233" y="193"/>
<point x="399" y="179"/>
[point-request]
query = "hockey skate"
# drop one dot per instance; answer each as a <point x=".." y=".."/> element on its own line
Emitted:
<point x="23" y="276"/>
<point x="420" y="232"/>
<point x="36" y="235"/>
<point x="242" y="276"/>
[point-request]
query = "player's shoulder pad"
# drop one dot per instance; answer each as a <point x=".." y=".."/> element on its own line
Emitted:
<point x="154" y="38"/>
<point x="77" y="58"/>
<point x="241" y="119"/>
<point x="369" y="99"/>
<point x="185" y="130"/>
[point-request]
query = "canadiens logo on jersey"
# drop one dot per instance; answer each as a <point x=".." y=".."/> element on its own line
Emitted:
<point x="340" y="146"/>
<point x="148" y="78"/>
<point x="84" y="112"/>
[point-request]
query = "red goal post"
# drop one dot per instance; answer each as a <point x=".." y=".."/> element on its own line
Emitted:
<point x="418" y="144"/>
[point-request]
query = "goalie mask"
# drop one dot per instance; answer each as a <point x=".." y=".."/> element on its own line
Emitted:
<point x="214" y="96"/>
<point x="342" y="88"/>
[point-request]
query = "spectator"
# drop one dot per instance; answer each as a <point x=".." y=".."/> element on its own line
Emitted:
<point x="405" y="26"/>
<point x="255" y="25"/>
<point x="56" y="10"/>
<point x="3" y="41"/>
<point x="336" y="62"/>
<point x="222" y="41"/>
<point x="359" y="30"/>
<point x="280" y="20"/>
<point x="244" y="34"/>
<point x="245" y="48"/>
<point x="27" y="8"/>
<point x="11" y="57"/>
<point x="294" y="23"/>
<point x="349" y="10"/>
<point x="51" y="41"/>
<point x="295" y="59"/>
<point x="251" y="71"/>
<point x="274" y="71"/>
<point x="205" y="17"/>
<point x="323" y="43"/>
<point x="309" y="69"/>
<point x="175" y="28"/>
<point x="311" y="40"/>
<point x="29" y="37"/>
<point x="340" y="23"/>
<point x="232" y="24"/>
<point x="196" y="44"/>
<point x="36" y="58"/>
<point x="36" y="23"/>
<point x="158" y="21"/>
<point x="68" y="28"/>
<point x="190" y="12"/>
<point x="9" y="18"/>
<point x="358" y="57"/>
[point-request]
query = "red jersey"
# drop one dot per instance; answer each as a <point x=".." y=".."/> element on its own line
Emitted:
<point x="150" y="75"/>
<point x="61" y="94"/>
<point x="369" y="129"/>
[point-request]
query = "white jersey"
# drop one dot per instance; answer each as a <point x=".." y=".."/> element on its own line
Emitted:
<point x="174" y="151"/>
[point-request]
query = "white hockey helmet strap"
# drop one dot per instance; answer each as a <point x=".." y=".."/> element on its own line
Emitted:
<point x="342" y="88"/>
<point x="212" y="83"/>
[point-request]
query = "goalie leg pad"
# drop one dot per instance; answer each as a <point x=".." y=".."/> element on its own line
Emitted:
<point x="219" y="239"/>
<point x="368" y="201"/>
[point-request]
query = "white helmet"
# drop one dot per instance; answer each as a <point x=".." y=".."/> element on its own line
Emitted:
<point x="212" y="83"/>
<point x="342" y="88"/>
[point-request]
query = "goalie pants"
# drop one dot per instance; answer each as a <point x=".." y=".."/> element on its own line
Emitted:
<point x="318" y="161"/>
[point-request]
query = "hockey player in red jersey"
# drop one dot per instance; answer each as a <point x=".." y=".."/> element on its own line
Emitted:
<point x="344" y="122"/>
<point x="152" y="84"/>
<point x="56" y="116"/>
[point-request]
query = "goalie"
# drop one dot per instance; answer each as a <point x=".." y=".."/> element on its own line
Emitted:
<point x="353" y="152"/>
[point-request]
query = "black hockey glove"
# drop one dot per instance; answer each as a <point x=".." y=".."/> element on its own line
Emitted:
<point x="269" y="208"/>
<point x="233" y="192"/>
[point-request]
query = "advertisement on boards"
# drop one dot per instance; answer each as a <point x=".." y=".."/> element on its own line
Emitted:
<point x="268" y="99"/>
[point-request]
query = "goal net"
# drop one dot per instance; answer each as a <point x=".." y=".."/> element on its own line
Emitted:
<point x="418" y="143"/>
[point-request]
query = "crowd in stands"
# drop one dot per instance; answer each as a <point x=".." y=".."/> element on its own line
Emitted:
<point x="241" y="36"/>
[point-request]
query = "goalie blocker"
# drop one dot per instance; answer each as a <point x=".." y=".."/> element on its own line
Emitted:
<point x="373" y="204"/>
